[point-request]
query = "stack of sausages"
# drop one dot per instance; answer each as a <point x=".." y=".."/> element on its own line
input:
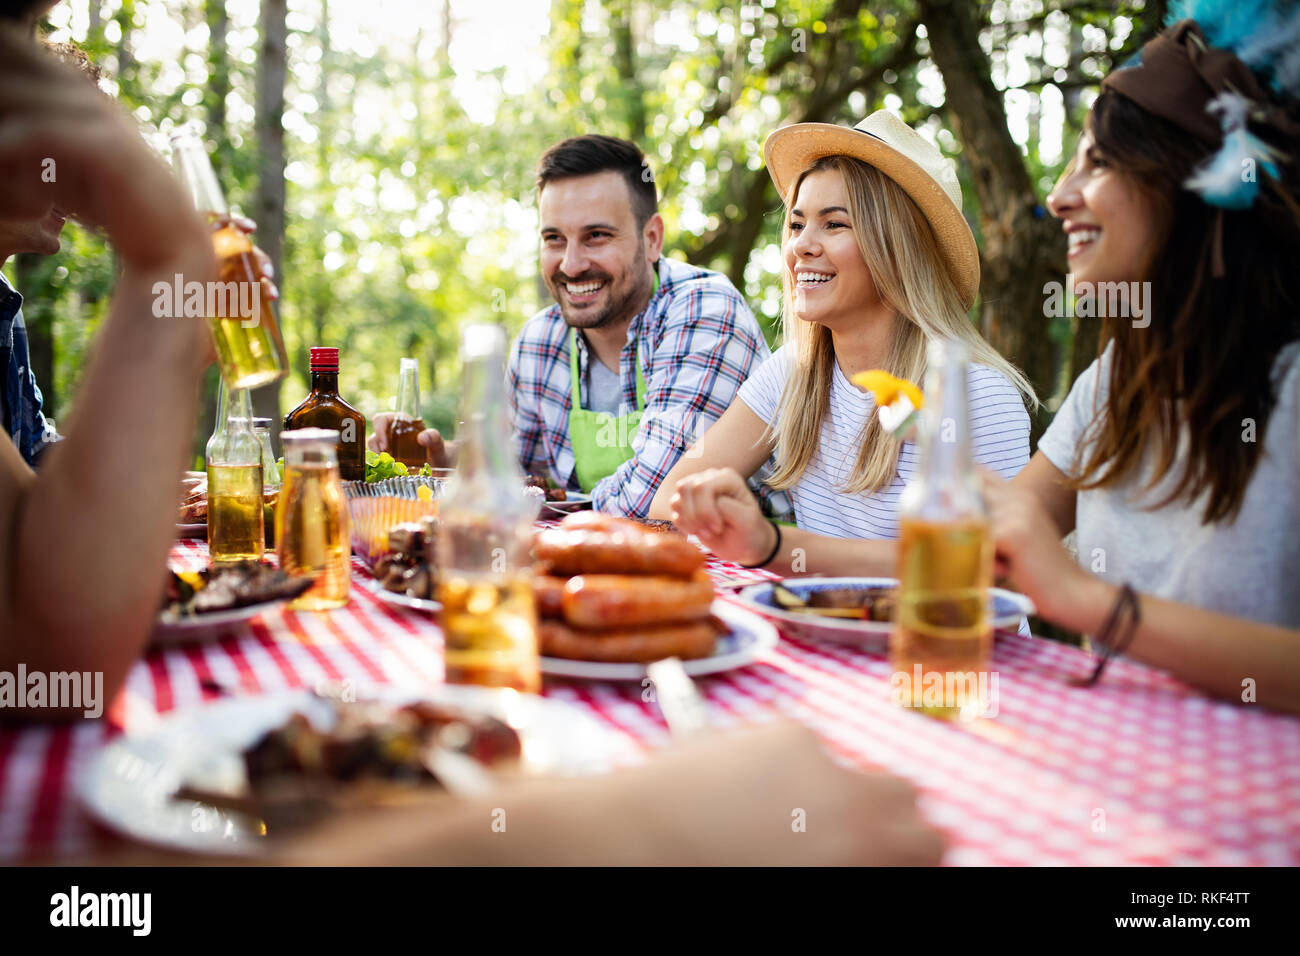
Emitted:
<point x="609" y="589"/>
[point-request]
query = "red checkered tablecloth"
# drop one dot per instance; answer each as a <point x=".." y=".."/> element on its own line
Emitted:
<point x="1139" y="770"/>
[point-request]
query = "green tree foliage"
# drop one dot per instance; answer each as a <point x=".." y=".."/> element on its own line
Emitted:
<point x="408" y="212"/>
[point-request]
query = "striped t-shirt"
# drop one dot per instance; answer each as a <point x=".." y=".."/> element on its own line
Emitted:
<point x="999" y="441"/>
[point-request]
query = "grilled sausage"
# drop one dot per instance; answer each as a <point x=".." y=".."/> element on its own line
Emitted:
<point x="612" y="600"/>
<point x="636" y="645"/>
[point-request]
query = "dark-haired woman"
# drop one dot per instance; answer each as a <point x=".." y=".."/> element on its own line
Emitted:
<point x="1176" y="456"/>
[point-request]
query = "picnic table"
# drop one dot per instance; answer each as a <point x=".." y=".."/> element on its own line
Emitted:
<point x="1140" y="769"/>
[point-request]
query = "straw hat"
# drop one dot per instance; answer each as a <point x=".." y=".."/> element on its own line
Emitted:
<point x="884" y="141"/>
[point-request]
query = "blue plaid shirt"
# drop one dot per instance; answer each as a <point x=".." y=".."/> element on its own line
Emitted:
<point x="20" y="397"/>
<point x="696" y="341"/>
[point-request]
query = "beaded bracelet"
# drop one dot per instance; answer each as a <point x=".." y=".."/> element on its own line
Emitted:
<point x="1112" y="642"/>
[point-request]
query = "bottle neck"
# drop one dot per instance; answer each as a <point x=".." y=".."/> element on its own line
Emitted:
<point x="326" y="381"/>
<point x="408" y="394"/>
<point x="945" y="446"/>
<point x="223" y="408"/>
<point x="485" y="427"/>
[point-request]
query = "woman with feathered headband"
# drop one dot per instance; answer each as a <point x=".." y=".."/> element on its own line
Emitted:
<point x="1176" y="456"/>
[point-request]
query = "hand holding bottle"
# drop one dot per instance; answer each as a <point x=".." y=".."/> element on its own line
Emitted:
<point x="439" y="452"/>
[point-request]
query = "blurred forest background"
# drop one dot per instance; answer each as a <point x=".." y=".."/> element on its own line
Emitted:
<point x="386" y="149"/>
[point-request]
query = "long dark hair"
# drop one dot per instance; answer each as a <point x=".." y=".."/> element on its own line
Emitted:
<point x="1205" y="361"/>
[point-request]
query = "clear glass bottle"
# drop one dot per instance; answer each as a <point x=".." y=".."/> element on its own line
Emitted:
<point x="943" y="639"/>
<point x="489" y="617"/>
<point x="408" y="423"/>
<point x="311" y="518"/>
<point x="236" y="525"/>
<point x="325" y="408"/>
<point x="249" y="348"/>
<point x="270" y="477"/>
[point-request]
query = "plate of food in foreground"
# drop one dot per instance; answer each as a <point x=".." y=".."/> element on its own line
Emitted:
<point x="614" y="595"/>
<point x="208" y="604"/>
<point x="855" y="611"/>
<point x="229" y="777"/>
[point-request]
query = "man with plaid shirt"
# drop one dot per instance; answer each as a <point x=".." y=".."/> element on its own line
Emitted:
<point x="640" y="353"/>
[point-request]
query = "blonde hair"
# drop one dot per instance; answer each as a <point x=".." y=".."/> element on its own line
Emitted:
<point x="900" y="251"/>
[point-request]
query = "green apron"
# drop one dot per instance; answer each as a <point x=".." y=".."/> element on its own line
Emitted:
<point x="601" y="442"/>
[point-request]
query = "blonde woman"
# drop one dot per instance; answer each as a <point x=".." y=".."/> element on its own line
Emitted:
<point x="878" y="260"/>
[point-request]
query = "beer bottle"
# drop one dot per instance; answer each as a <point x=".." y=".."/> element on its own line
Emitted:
<point x="489" y="618"/>
<point x="323" y="408"/>
<point x="942" y="640"/>
<point x="236" y="524"/>
<point x="408" y="422"/>
<point x="242" y="320"/>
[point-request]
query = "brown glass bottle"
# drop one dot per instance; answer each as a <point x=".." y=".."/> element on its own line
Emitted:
<point x="323" y="408"/>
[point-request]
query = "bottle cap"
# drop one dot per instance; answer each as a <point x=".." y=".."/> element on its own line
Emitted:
<point x="324" y="360"/>
<point x="328" y="436"/>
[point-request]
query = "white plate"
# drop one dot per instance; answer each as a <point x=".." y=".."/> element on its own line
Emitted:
<point x="748" y="638"/>
<point x="170" y="629"/>
<point x="128" y="784"/>
<point x="1008" y="609"/>
<point x="374" y="586"/>
<point x="574" y="501"/>
<point x="192" y="531"/>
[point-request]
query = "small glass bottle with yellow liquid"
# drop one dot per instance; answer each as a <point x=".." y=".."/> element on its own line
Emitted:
<point x="489" y="617"/>
<point x="943" y="637"/>
<point x="236" y="526"/>
<point x="311" y="518"/>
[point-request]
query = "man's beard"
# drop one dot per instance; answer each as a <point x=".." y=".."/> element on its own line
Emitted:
<point x="617" y="309"/>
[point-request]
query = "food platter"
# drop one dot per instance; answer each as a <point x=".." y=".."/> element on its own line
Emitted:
<point x="748" y="639"/>
<point x="1008" y="609"/>
<point x="172" y="629"/>
<point x="192" y="530"/>
<point x="129" y="784"/>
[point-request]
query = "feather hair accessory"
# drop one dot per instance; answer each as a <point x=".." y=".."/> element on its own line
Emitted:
<point x="1230" y="177"/>
<point x="1265" y="36"/>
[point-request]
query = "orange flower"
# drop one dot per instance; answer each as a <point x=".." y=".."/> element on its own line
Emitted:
<point x="886" y="388"/>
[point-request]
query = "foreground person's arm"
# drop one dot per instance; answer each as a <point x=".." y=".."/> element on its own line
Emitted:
<point x="1229" y="657"/>
<point x="83" y="549"/>
<point x="764" y="795"/>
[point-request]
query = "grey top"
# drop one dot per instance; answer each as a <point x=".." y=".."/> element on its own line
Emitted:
<point x="1248" y="567"/>
<point x="604" y="391"/>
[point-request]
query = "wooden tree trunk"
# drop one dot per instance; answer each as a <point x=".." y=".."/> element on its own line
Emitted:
<point x="1023" y="248"/>
<point x="630" y="89"/>
<point x="269" y="209"/>
<point x="218" y="84"/>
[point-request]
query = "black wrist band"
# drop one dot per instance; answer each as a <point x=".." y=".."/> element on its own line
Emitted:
<point x="776" y="548"/>
<point x="1112" y="638"/>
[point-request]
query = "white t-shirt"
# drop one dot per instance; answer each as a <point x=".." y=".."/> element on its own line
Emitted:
<point x="1249" y="567"/>
<point x="999" y="441"/>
